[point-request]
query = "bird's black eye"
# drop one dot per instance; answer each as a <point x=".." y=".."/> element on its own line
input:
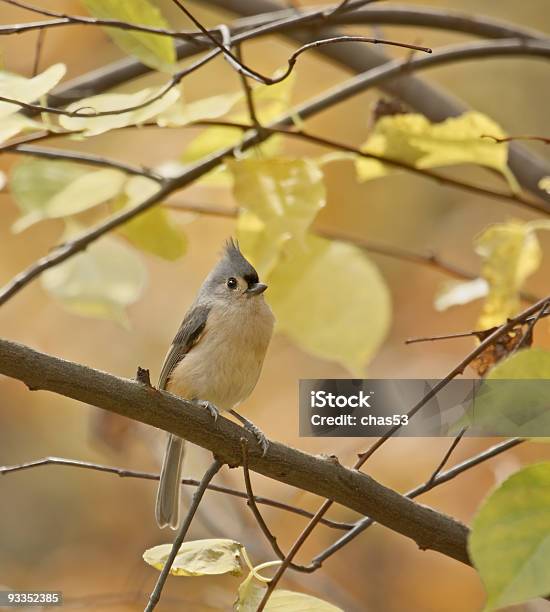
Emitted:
<point x="232" y="282"/>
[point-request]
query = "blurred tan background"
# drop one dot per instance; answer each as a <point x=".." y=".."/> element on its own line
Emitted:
<point x="84" y="532"/>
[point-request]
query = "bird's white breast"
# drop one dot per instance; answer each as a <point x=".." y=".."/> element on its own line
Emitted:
<point x="224" y="366"/>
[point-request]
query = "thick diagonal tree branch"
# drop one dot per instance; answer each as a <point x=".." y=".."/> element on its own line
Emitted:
<point x="319" y="475"/>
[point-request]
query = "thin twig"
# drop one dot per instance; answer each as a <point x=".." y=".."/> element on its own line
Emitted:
<point x="62" y="19"/>
<point x="501" y="330"/>
<point x="252" y="504"/>
<point x="249" y="96"/>
<point x="447" y="455"/>
<point x="479" y="333"/>
<point x="197" y="497"/>
<point x="238" y="65"/>
<point x="82" y="158"/>
<point x="192" y="482"/>
<point x="179" y="76"/>
<point x="38" y="51"/>
<point x="430" y="484"/>
<point x="543" y="139"/>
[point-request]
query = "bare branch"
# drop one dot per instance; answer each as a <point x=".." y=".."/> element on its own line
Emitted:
<point x="252" y="504"/>
<point x="481" y="334"/>
<point x="447" y="455"/>
<point x="82" y="158"/>
<point x="543" y="139"/>
<point x="195" y="501"/>
<point x="192" y="482"/>
<point x="62" y="19"/>
<point x="236" y="62"/>
<point x="430" y="484"/>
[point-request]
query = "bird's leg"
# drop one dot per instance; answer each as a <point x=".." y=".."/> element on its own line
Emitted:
<point x="254" y="430"/>
<point x="213" y="411"/>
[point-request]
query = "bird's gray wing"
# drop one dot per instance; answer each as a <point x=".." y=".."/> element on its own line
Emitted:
<point x="188" y="335"/>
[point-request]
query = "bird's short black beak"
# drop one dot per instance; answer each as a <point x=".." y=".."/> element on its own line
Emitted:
<point x="256" y="289"/>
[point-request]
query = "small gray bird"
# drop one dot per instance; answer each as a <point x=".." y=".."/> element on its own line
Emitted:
<point x="215" y="359"/>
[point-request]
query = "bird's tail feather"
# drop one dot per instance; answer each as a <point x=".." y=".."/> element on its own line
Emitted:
<point x="168" y="495"/>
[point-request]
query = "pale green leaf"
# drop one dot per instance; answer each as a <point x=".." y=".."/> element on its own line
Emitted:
<point x="100" y="282"/>
<point x="211" y="140"/>
<point x="513" y="398"/>
<point x="27" y="90"/>
<point x="181" y="113"/>
<point x="257" y="244"/>
<point x="290" y="601"/>
<point x="331" y="300"/>
<point x="511" y="253"/>
<point x="48" y="189"/>
<point x="533" y="363"/>
<point x="91" y="126"/>
<point x="270" y="101"/>
<point x="544" y="184"/>
<point x="151" y="231"/>
<point x="335" y="156"/>
<point x="455" y="293"/>
<point x="510" y="539"/>
<point x="249" y="595"/>
<point x="151" y="49"/>
<point x="413" y="139"/>
<point x="11" y="125"/>
<point x="280" y="198"/>
<point x="86" y="191"/>
<point x="199" y="558"/>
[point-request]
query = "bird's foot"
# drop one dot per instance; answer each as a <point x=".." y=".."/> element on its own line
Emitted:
<point x="212" y="410"/>
<point x="261" y="438"/>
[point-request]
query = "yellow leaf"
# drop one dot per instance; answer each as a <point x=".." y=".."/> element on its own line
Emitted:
<point x="511" y="253"/>
<point x="91" y="126"/>
<point x="27" y="90"/>
<point x="270" y="101"/>
<point x="249" y="595"/>
<point x="280" y="198"/>
<point x="100" y="282"/>
<point x="331" y="300"/>
<point x="182" y="113"/>
<point x="48" y="189"/>
<point x="509" y="543"/>
<point x="86" y="191"/>
<point x="456" y="293"/>
<point x="413" y="139"/>
<point x="11" y="125"/>
<point x="199" y="558"/>
<point x="151" y="49"/>
<point x="151" y="231"/>
<point x="209" y="141"/>
<point x="544" y="184"/>
<point x="290" y="601"/>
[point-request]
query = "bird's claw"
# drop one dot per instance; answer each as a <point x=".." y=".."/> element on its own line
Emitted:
<point x="212" y="410"/>
<point x="263" y="442"/>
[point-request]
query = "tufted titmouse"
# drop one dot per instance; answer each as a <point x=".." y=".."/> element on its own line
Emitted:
<point x="215" y="358"/>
